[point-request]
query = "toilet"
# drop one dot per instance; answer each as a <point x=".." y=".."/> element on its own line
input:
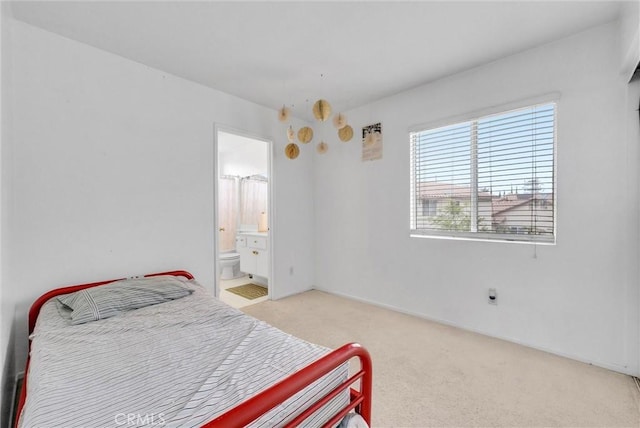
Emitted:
<point x="230" y="265"/>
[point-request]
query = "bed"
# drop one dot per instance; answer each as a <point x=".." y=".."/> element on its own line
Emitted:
<point x="101" y="354"/>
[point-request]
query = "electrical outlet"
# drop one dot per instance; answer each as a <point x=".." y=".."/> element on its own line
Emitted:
<point x="493" y="296"/>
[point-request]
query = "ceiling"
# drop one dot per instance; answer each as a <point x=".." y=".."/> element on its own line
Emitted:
<point x="351" y="53"/>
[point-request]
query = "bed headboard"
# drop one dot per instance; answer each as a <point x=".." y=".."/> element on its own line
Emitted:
<point x="35" y="308"/>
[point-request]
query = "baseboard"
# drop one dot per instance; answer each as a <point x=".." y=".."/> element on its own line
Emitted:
<point x="614" y="367"/>
<point x="284" y="296"/>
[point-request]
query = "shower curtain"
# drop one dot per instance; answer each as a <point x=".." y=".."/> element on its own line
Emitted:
<point x="253" y="197"/>
<point x="240" y="202"/>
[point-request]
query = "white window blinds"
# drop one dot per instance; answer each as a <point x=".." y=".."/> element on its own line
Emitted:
<point x="492" y="177"/>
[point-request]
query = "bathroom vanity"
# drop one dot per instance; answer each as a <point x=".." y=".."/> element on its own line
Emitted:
<point x="253" y="248"/>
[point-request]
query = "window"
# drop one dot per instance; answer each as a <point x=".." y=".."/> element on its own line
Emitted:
<point x="490" y="178"/>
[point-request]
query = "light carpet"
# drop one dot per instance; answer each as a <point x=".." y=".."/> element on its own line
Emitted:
<point x="427" y="374"/>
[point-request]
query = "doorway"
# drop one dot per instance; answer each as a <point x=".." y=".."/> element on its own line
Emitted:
<point x="243" y="244"/>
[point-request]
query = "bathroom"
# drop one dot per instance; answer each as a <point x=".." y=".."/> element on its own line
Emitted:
<point x="243" y="241"/>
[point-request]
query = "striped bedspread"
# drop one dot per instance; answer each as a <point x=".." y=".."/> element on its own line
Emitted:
<point x="175" y="364"/>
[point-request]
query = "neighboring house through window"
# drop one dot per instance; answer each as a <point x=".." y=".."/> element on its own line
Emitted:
<point x="491" y="177"/>
<point x="429" y="207"/>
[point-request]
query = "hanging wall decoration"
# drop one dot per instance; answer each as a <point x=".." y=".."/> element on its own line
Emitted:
<point x="305" y="135"/>
<point x="345" y="133"/>
<point x="292" y="150"/>
<point x="372" y="142"/>
<point x="339" y="121"/>
<point x="322" y="147"/>
<point x="283" y="114"/>
<point x="322" y="112"/>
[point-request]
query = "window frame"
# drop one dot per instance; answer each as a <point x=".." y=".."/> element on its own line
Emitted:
<point x="552" y="98"/>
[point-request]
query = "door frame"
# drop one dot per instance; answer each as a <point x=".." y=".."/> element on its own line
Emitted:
<point x="218" y="128"/>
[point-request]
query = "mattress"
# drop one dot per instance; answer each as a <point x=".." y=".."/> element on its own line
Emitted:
<point x="175" y="364"/>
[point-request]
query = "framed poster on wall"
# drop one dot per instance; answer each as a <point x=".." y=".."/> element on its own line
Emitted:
<point x="372" y="142"/>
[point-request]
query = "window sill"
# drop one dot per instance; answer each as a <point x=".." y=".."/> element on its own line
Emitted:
<point x="483" y="238"/>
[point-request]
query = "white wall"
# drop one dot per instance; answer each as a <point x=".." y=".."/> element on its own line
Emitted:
<point x="578" y="298"/>
<point x="113" y="173"/>
<point x="630" y="37"/>
<point x="633" y="130"/>
<point x="7" y="297"/>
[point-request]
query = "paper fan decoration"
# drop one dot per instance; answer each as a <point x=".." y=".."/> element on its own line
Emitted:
<point x="322" y="147"/>
<point x="283" y="114"/>
<point x="305" y="135"/>
<point x="339" y="121"/>
<point x="322" y="110"/>
<point x="292" y="150"/>
<point x="345" y="133"/>
<point x="290" y="134"/>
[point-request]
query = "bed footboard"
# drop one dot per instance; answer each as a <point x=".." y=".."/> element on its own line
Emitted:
<point x="253" y="408"/>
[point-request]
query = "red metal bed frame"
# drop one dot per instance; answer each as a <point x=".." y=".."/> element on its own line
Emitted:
<point x="254" y="407"/>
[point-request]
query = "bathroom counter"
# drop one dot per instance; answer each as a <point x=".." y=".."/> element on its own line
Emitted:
<point x="262" y="234"/>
